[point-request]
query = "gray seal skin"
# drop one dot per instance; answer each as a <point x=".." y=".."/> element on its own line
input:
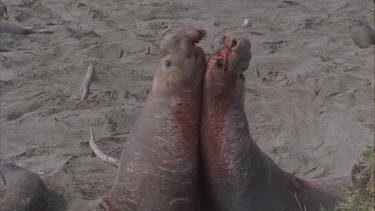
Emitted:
<point x="236" y="174"/>
<point x="159" y="163"/>
<point x="23" y="190"/>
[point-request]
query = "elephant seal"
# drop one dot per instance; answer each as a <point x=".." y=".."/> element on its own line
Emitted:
<point x="158" y="167"/>
<point x="23" y="190"/>
<point x="237" y="175"/>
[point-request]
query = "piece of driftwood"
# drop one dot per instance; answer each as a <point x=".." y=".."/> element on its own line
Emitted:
<point x="85" y="88"/>
<point x="112" y="91"/>
<point x="100" y="153"/>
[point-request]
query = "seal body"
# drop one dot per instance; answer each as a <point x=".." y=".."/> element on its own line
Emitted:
<point x="23" y="189"/>
<point x="237" y="175"/>
<point x="159" y="163"/>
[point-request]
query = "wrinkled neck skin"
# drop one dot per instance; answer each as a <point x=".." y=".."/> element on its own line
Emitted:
<point x="238" y="175"/>
<point x="159" y="162"/>
<point x="233" y="163"/>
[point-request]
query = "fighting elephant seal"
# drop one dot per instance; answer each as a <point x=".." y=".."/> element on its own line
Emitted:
<point x="23" y="190"/>
<point x="237" y="175"/>
<point x="158" y="167"/>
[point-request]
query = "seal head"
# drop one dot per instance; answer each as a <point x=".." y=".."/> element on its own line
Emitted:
<point x="225" y="67"/>
<point x="183" y="63"/>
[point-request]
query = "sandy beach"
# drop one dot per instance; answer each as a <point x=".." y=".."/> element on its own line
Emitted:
<point x="309" y="87"/>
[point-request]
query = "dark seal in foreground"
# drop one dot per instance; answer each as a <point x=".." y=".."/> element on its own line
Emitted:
<point x="158" y="167"/>
<point x="23" y="190"/>
<point x="238" y="176"/>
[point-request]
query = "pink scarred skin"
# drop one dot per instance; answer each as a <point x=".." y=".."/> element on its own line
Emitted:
<point x="237" y="175"/>
<point x="159" y="163"/>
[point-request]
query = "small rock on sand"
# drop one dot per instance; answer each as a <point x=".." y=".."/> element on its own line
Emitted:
<point x="247" y="23"/>
<point x="362" y="35"/>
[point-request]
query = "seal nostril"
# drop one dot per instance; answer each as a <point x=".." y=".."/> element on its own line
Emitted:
<point x="234" y="43"/>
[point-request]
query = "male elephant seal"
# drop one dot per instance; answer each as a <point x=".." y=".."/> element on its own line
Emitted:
<point x="158" y="167"/>
<point x="238" y="176"/>
<point x="23" y="190"/>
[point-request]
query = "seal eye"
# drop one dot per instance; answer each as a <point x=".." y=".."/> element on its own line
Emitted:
<point x="168" y="63"/>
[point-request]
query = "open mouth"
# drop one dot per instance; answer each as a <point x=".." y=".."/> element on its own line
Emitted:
<point x="222" y="60"/>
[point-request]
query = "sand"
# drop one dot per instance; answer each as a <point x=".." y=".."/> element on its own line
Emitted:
<point x="309" y="88"/>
